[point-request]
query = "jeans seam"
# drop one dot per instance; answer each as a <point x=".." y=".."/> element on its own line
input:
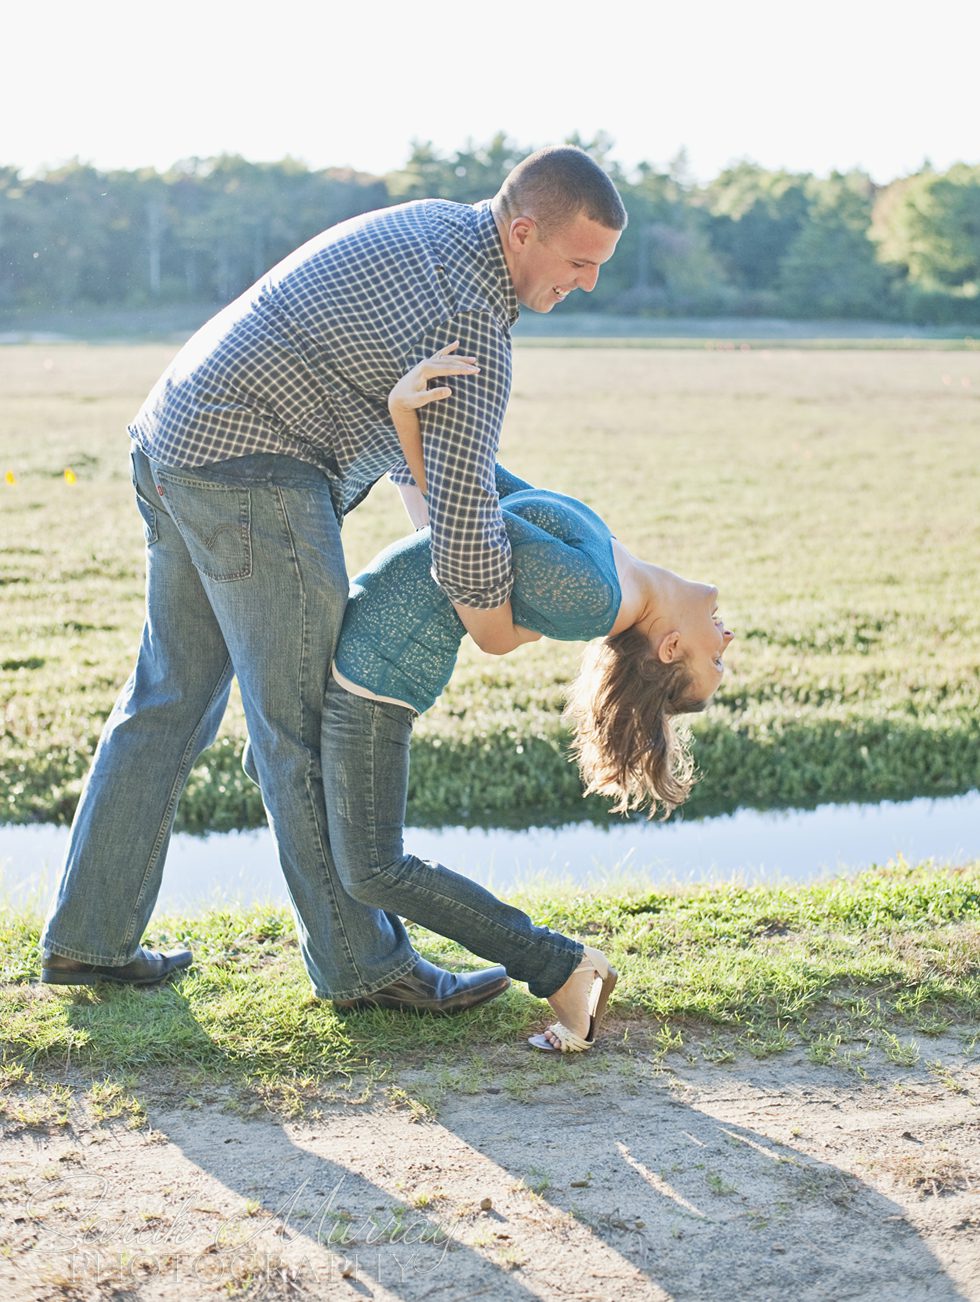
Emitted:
<point x="311" y="796"/>
<point x="372" y="769"/>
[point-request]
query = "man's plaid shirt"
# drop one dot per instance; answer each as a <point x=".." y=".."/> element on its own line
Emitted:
<point x="302" y="364"/>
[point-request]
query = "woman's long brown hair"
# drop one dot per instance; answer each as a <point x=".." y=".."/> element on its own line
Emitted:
<point x="621" y="708"/>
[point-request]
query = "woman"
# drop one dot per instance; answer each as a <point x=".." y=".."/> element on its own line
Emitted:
<point x="660" y="655"/>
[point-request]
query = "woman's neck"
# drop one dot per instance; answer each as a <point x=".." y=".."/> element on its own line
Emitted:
<point x="645" y="589"/>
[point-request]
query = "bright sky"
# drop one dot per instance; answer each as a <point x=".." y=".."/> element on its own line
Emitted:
<point x="876" y="84"/>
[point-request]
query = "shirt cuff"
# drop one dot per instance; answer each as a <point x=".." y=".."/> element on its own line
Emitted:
<point x="478" y="598"/>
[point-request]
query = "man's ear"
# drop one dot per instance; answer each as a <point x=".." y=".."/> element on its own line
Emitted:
<point x="670" y="647"/>
<point x="519" y="231"/>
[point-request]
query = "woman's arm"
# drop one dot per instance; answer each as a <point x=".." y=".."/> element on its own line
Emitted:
<point x="494" y="631"/>
<point x="415" y="504"/>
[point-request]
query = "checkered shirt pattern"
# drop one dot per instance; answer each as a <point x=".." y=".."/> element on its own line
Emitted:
<point x="302" y="363"/>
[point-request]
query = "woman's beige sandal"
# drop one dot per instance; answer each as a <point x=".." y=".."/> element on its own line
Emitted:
<point x="601" y="977"/>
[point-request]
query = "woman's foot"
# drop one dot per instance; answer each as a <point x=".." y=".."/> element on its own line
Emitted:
<point x="579" y="1005"/>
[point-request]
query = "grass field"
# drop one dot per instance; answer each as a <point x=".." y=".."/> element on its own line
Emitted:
<point x="833" y="495"/>
<point x="830" y="966"/>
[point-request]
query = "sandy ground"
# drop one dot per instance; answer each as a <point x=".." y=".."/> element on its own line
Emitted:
<point x="609" y="1177"/>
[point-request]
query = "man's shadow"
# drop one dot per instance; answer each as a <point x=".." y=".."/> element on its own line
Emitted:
<point x="300" y="1208"/>
<point x="702" y="1207"/>
<point x="654" y="1187"/>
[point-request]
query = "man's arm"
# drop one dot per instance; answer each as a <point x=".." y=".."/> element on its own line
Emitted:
<point x="489" y="629"/>
<point x="470" y="550"/>
<point x="475" y="621"/>
<point x="493" y="629"/>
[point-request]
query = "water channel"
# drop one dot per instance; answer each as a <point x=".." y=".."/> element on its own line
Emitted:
<point x="751" y="846"/>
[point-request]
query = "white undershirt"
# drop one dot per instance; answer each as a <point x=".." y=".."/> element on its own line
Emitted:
<point x="357" y="690"/>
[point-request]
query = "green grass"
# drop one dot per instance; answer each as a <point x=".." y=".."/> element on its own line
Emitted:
<point x="832" y="495"/>
<point x="842" y="968"/>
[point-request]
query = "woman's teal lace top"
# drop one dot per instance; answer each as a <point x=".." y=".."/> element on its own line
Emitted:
<point x="401" y="635"/>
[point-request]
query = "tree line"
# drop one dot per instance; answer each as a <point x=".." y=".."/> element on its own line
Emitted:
<point x="752" y="242"/>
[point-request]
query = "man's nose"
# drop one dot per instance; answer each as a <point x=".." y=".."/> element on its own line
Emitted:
<point x="587" y="278"/>
<point x="729" y="636"/>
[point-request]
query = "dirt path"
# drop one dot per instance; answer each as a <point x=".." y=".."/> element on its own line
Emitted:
<point x="609" y="1179"/>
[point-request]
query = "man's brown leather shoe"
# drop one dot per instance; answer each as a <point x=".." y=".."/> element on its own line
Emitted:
<point x="146" y="969"/>
<point x="431" y="989"/>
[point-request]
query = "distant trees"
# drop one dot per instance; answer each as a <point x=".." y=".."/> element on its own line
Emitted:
<point x="755" y="216"/>
<point x="751" y="242"/>
<point x="666" y="263"/>
<point x="927" y="229"/>
<point x="202" y="231"/>
<point x="471" y="174"/>
<point x="829" y="267"/>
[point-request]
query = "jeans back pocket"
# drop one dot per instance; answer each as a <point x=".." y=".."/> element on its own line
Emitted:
<point x="214" y="521"/>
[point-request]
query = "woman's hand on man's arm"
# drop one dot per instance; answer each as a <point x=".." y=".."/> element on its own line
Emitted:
<point x="412" y="392"/>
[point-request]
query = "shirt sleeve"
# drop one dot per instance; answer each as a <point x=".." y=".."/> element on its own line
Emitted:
<point x="471" y="557"/>
<point x="400" y="473"/>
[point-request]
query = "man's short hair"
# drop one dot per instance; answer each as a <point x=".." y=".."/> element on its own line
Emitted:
<point x="554" y="185"/>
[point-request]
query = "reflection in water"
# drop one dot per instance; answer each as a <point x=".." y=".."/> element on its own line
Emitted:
<point x="786" y="845"/>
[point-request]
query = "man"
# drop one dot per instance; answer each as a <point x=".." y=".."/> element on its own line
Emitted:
<point x="267" y="428"/>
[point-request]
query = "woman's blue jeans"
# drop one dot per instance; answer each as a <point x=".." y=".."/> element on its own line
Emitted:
<point x="365" y="776"/>
<point x="245" y="576"/>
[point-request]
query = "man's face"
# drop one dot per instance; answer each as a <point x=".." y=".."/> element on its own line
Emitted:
<point x="546" y="268"/>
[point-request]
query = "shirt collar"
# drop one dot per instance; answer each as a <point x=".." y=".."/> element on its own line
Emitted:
<point x="488" y="239"/>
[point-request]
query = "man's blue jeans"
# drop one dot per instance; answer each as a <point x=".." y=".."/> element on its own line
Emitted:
<point x="245" y="577"/>
<point x="365" y="775"/>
